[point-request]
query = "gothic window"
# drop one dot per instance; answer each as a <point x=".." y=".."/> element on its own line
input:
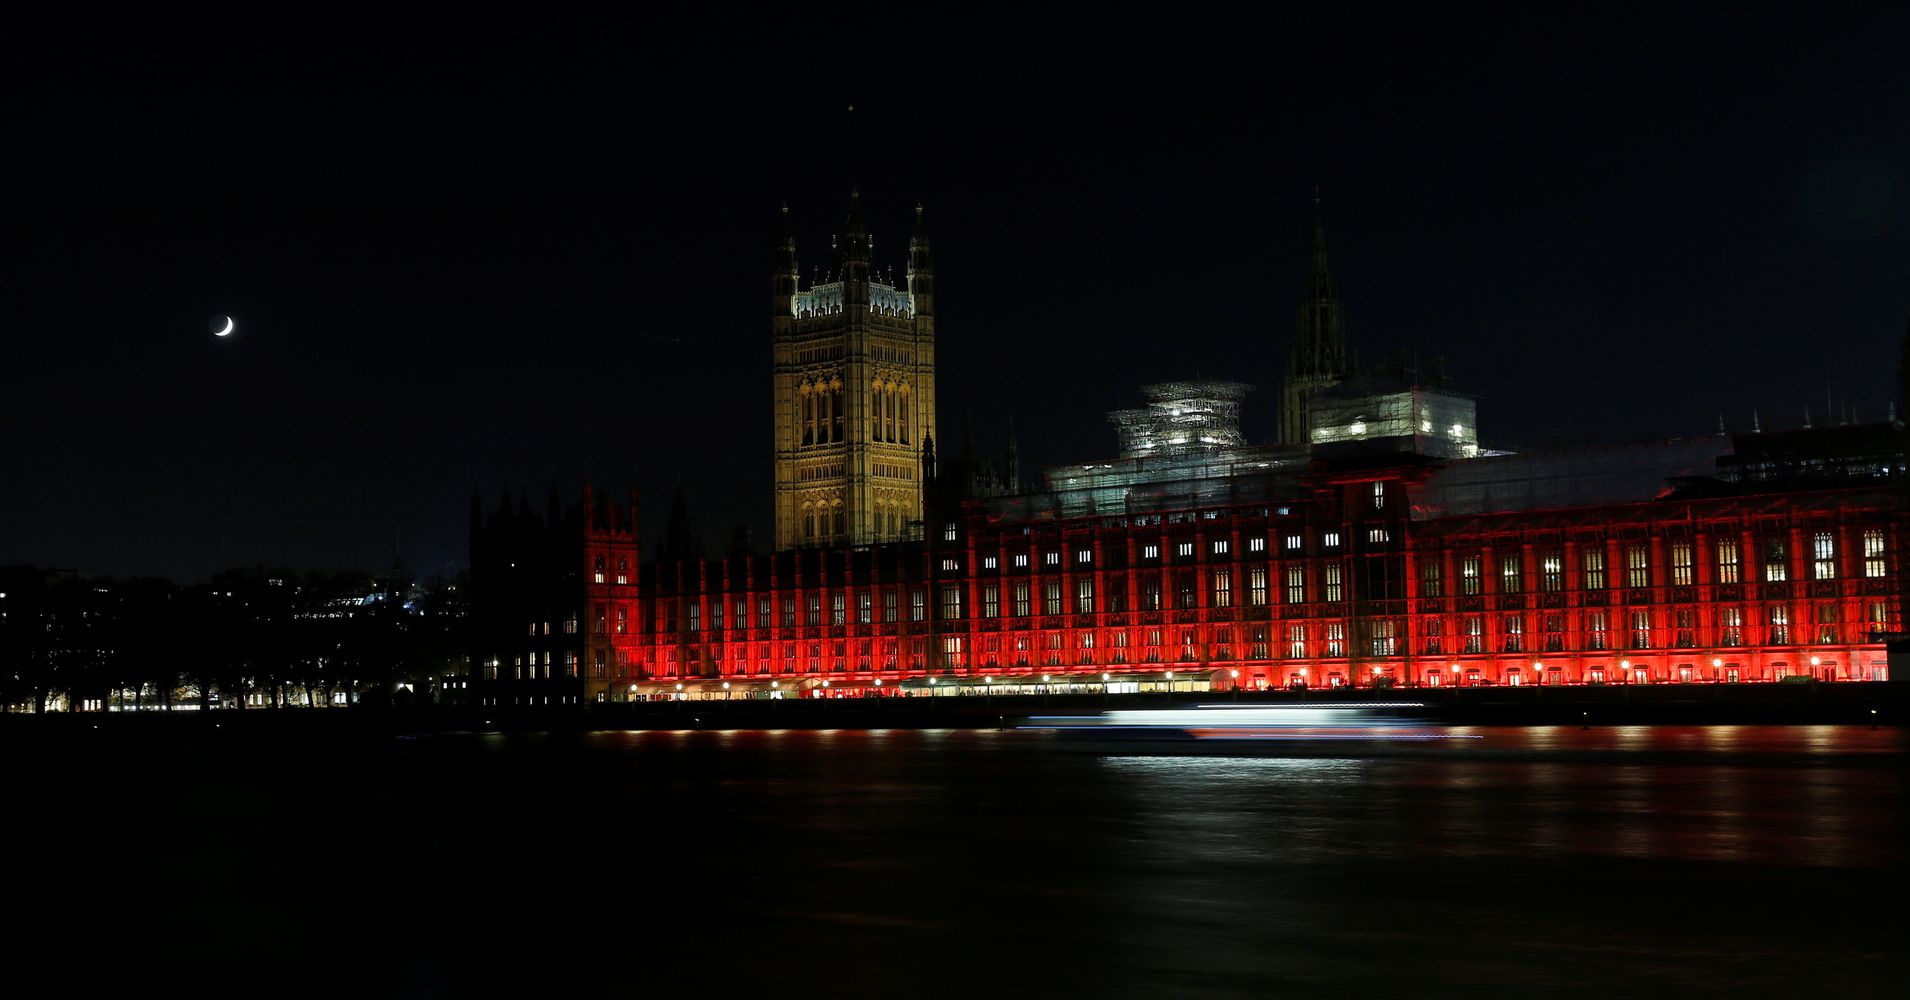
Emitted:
<point x="1593" y="563"/>
<point x="1637" y="567"/>
<point x="1823" y="556"/>
<point x="1873" y="553"/>
<point x="1776" y="568"/>
<point x="1510" y="570"/>
<point x="1731" y="626"/>
<point x="1727" y="560"/>
<point x="597" y="570"/>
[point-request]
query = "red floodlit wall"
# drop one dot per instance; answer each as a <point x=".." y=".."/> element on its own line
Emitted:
<point x="1343" y="589"/>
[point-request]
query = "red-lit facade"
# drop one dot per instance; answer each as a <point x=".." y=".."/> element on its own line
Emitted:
<point x="1385" y="545"/>
<point x="1344" y="587"/>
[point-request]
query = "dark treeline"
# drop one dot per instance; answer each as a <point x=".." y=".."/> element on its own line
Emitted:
<point x="246" y="639"/>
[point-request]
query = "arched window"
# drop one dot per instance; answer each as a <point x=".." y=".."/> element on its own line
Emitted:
<point x="623" y="570"/>
<point x="808" y="419"/>
<point x="840" y="523"/>
<point x="597" y="570"/>
<point x="838" y="411"/>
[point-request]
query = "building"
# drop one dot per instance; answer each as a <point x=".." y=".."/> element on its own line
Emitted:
<point x="1378" y="544"/>
<point x="854" y="373"/>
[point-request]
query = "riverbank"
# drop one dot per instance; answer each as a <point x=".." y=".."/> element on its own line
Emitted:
<point x="1670" y="704"/>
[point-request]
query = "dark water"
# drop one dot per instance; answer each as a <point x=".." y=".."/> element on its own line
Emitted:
<point x="1533" y="862"/>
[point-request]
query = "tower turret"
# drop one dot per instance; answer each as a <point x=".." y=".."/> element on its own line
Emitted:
<point x="921" y="273"/>
<point x="783" y="273"/>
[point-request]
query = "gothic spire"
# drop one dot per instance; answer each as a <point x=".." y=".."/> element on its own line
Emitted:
<point x="1319" y="237"/>
<point x="1320" y="348"/>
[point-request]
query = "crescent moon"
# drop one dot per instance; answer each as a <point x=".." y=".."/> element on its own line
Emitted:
<point x="227" y="330"/>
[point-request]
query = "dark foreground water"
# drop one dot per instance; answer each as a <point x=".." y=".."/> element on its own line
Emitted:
<point x="1533" y="862"/>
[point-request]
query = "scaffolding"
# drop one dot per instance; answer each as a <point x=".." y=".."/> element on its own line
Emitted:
<point x="1182" y="417"/>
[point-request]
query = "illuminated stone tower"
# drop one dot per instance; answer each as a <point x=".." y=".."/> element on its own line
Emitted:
<point x="1319" y="358"/>
<point x="855" y="391"/>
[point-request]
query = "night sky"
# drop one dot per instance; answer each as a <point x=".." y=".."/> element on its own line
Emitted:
<point x="479" y="254"/>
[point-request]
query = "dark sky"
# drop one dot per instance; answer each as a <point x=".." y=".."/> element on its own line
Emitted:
<point x="480" y="253"/>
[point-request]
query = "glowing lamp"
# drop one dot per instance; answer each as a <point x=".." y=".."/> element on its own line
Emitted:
<point x="1816" y="661"/>
<point x="1717" y="661"/>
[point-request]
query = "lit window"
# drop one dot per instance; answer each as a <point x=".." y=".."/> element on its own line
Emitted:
<point x="1084" y="595"/>
<point x="1379" y="495"/>
<point x="951" y="603"/>
<point x="1256" y="545"/>
<point x="1728" y="560"/>
<point x="1641" y="630"/>
<point x="1637" y="567"/>
<point x="1084" y="557"/>
<point x="1220" y="547"/>
<point x="1511" y="575"/>
<point x="1293" y="543"/>
<point x="1150" y="552"/>
<point x="1780" y="625"/>
<point x="1335" y="639"/>
<point x="1514" y="633"/>
<point x="1431" y="583"/>
<point x="1873" y="553"/>
<point x="1681" y="564"/>
<point x="1731" y="626"/>
<point x="1021" y="560"/>
<point x="1296" y="585"/>
<point x="1552" y="573"/>
<point x="948" y="532"/>
<point x="1223" y="589"/>
<point x="1184" y="549"/>
<point x="1051" y="558"/>
<point x="1296" y="642"/>
<point x="1021" y="599"/>
<point x="1593" y="562"/>
<point x="949" y="564"/>
<point x="1377" y="536"/>
<point x="1776" y="568"/>
<point x="1330" y="579"/>
<point x="991" y="601"/>
<point x="988" y="562"/>
<point x="918" y="605"/>
<point x="1257" y="585"/>
<point x="1051" y="594"/>
<point x="1331" y="539"/>
<point x="1823" y="556"/>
